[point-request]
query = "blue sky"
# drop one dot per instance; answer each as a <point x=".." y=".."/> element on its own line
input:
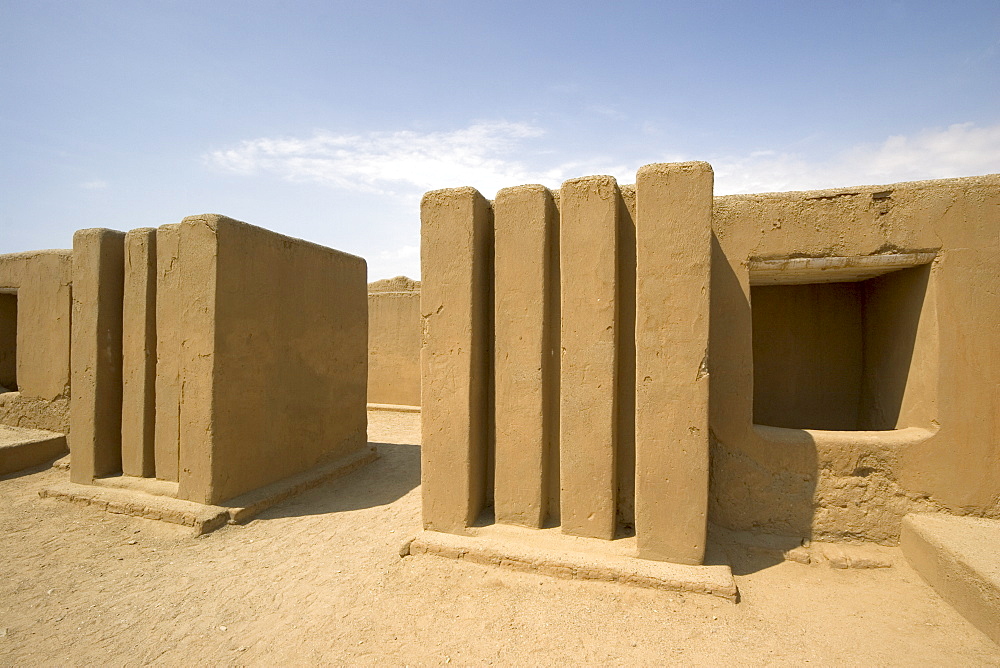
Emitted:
<point x="328" y="120"/>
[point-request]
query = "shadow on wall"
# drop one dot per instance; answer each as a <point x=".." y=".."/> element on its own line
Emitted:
<point x="748" y="486"/>
<point x="748" y="489"/>
<point x="8" y="341"/>
<point x="392" y="476"/>
<point x="817" y="390"/>
<point x="837" y="355"/>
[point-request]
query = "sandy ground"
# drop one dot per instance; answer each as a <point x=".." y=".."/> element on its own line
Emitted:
<point x="318" y="580"/>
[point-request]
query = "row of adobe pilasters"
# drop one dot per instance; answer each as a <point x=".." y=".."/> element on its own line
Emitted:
<point x="527" y="360"/>
<point x="124" y="409"/>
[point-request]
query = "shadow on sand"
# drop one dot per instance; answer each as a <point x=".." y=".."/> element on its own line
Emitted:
<point x="393" y="475"/>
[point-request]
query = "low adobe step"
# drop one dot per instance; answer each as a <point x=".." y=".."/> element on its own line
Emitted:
<point x="549" y="552"/>
<point x="156" y="499"/>
<point x="957" y="556"/>
<point x="21" y="448"/>
<point x="140" y="504"/>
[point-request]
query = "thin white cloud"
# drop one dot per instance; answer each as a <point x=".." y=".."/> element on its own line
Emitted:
<point x="95" y="184"/>
<point x="963" y="149"/>
<point x="493" y="155"/>
<point x="406" y="163"/>
<point x="387" y="162"/>
<point x="607" y="111"/>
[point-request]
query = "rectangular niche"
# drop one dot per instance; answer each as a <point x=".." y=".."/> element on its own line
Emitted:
<point x="836" y="343"/>
<point x="8" y="340"/>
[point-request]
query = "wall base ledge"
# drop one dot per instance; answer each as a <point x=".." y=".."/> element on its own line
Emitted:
<point x="400" y="408"/>
<point x="22" y="448"/>
<point x="138" y="497"/>
<point x="201" y="518"/>
<point x="548" y="552"/>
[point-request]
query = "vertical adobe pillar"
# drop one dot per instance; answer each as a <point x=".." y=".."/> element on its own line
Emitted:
<point x="456" y="275"/>
<point x="588" y="250"/>
<point x="673" y="264"/>
<point x="139" y="353"/>
<point x="525" y="223"/>
<point x="96" y="356"/>
<point x="196" y="247"/>
<point x="169" y="302"/>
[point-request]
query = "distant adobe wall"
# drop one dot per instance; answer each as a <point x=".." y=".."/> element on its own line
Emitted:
<point x="35" y="321"/>
<point x="394" y="341"/>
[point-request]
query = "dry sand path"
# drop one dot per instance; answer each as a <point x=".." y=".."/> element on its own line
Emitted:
<point x="318" y="580"/>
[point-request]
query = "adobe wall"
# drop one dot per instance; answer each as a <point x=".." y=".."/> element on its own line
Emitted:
<point x="456" y="304"/>
<point x="526" y="356"/>
<point x="273" y="360"/>
<point x="847" y="334"/>
<point x="908" y="354"/>
<point x="213" y="355"/>
<point x="35" y="288"/>
<point x="394" y="341"/>
<point x="167" y="385"/>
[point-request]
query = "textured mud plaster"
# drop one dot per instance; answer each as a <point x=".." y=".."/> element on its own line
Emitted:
<point x="805" y="337"/>
<point x="139" y="353"/>
<point x="96" y="403"/>
<point x="673" y="260"/>
<point x="273" y="359"/>
<point x="18" y="410"/>
<point x="39" y="282"/>
<point x="625" y="436"/>
<point x="590" y="210"/>
<point x="913" y="410"/>
<point x="394" y="342"/>
<point x="526" y="354"/>
<point x="456" y="254"/>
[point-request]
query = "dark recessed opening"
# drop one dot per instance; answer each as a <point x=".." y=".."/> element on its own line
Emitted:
<point x="835" y="356"/>
<point x="8" y="342"/>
